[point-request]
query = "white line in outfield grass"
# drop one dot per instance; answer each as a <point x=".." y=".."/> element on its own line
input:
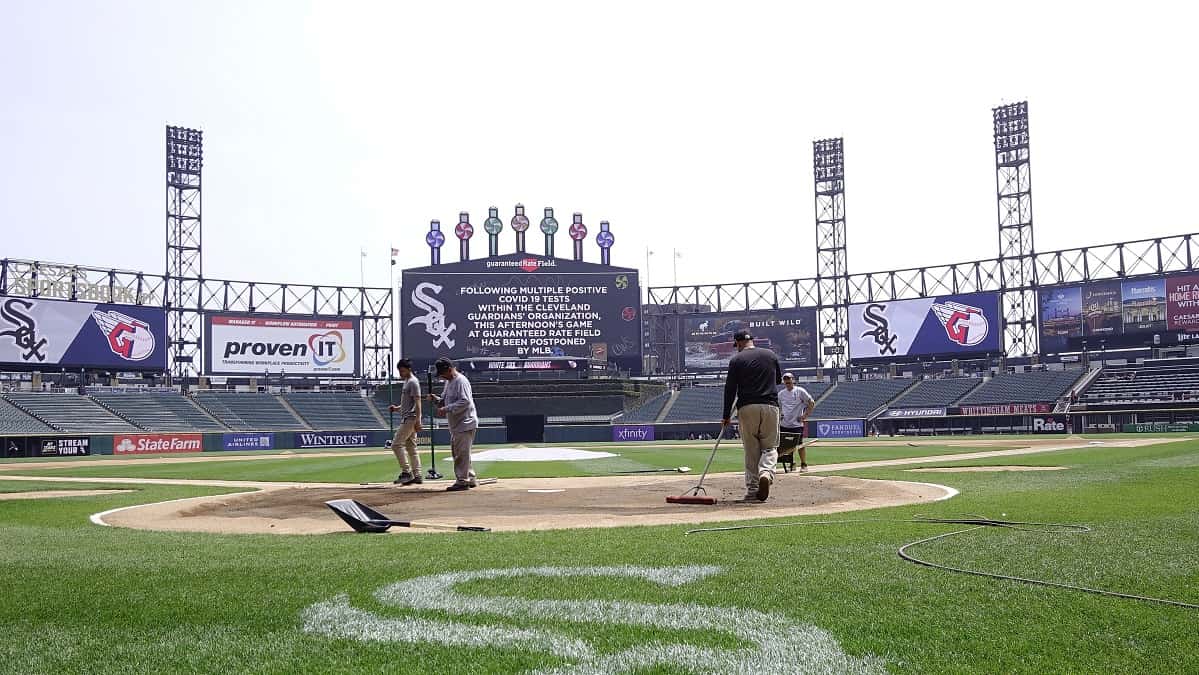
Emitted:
<point x="776" y="643"/>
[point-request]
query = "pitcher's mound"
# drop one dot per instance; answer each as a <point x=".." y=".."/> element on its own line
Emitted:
<point x="608" y="501"/>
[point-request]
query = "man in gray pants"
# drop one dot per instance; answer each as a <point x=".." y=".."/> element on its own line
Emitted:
<point x="404" y="443"/>
<point x="752" y="381"/>
<point x="457" y="405"/>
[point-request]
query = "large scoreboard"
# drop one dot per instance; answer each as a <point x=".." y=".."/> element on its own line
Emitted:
<point x="521" y="306"/>
<point x="1159" y="311"/>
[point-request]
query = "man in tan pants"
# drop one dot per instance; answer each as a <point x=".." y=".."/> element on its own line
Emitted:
<point x="457" y="405"/>
<point x="404" y="442"/>
<point x="752" y="382"/>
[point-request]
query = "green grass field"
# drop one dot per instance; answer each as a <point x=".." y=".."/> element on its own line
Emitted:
<point x="75" y="597"/>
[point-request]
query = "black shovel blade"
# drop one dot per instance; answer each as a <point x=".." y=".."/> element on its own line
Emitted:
<point x="359" y="516"/>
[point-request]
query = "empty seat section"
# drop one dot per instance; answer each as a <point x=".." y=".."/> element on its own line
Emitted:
<point x="646" y="412"/>
<point x="1035" y="387"/>
<point x="246" y="411"/>
<point x="159" y="411"/>
<point x="13" y="420"/>
<point x="697" y="404"/>
<point x="71" y="412"/>
<point x="936" y="393"/>
<point x="1138" y="386"/>
<point x="334" y="410"/>
<point x="858" y="399"/>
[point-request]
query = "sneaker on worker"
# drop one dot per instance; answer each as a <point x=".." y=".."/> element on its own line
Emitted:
<point x="458" y="487"/>
<point x="803" y="468"/>
<point x="764" y="482"/>
<point x="413" y="480"/>
<point x="404" y="478"/>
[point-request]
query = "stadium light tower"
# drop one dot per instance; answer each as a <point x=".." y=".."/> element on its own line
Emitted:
<point x="184" y="268"/>
<point x="1013" y="189"/>
<point x="832" y="276"/>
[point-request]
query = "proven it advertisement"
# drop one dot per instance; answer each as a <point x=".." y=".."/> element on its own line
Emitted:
<point x="947" y="325"/>
<point x="255" y="344"/>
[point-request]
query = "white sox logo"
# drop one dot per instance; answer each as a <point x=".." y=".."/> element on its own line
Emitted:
<point x="874" y="314"/>
<point x="423" y="296"/>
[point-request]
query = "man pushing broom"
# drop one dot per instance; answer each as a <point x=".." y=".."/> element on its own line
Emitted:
<point x="752" y="381"/>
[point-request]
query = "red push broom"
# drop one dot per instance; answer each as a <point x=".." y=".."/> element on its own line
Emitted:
<point x="693" y="495"/>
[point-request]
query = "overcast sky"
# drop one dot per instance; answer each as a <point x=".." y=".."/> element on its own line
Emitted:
<point x="331" y="127"/>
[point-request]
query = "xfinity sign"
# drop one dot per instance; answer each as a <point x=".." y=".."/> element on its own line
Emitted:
<point x="632" y="433"/>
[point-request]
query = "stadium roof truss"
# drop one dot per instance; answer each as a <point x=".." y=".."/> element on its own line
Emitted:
<point x="1130" y="259"/>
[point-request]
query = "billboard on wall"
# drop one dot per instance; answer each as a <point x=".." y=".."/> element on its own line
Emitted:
<point x="521" y="305"/>
<point x="947" y="325"/>
<point x="37" y="334"/>
<point x="1120" y="313"/>
<point x="254" y="344"/>
<point x="707" y="339"/>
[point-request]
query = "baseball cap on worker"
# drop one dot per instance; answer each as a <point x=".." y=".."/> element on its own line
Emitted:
<point x="442" y="365"/>
<point x="788" y="376"/>
<point x="742" y="335"/>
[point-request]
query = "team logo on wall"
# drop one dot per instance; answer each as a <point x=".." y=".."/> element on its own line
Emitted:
<point x="965" y="325"/>
<point x="875" y="315"/>
<point x="128" y="337"/>
<point x="23" y="329"/>
<point x="327" y="348"/>
<point x="424" y="296"/>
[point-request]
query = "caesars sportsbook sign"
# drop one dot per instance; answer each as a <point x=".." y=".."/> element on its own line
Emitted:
<point x="254" y="344"/>
<point x="946" y="326"/>
<point x="37" y="333"/>
<point x="521" y="305"/>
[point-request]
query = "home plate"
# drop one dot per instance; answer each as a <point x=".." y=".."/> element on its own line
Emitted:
<point x="537" y="455"/>
<point x="545" y="491"/>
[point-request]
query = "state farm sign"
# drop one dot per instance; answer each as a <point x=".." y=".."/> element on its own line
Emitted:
<point x="145" y="444"/>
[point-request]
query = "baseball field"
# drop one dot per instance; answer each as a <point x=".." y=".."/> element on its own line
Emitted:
<point x="576" y="577"/>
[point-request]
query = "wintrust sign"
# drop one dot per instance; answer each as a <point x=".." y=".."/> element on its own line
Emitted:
<point x="145" y="444"/>
<point x="318" y="439"/>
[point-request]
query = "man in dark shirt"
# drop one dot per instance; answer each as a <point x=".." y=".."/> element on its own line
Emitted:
<point x="752" y="382"/>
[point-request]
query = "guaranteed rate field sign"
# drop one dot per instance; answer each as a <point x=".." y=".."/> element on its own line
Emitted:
<point x="521" y="306"/>
<point x="254" y="344"/>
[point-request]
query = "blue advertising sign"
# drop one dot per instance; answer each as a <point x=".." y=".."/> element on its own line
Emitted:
<point x="521" y="305"/>
<point x="946" y="325"/>
<point x="632" y="433"/>
<point x="706" y="339"/>
<point x="39" y="334"/>
<point x="244" y="441"/>
<point x="332" y="439"/>
<point x="840" y="429"/>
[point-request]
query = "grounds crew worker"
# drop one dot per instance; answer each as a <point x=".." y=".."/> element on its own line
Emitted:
<point x="753" y="379"/>
<point x="796" y="404"/>
<point x="404" y="443"/>
<point x="457" y="405"/>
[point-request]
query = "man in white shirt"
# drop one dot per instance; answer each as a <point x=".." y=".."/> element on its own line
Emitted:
<point x="796" y="404"/>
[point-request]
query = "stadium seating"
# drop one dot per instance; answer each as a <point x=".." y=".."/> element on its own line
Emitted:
<point x="647" y="412"/>
<point x="71" y="412"/>
<point x="858" y="399"/>
<point x="334" y="410"/>
<point x="13" y="420"/>
<point x="814" y="389"/>
<point x="1033" y="387"/>
<point x="936" y="393"/>
<point x="1141" y="386"/>
<point x="246" y="411"/>
<point x="158" y="411"/>
<point x="696" y="404"/>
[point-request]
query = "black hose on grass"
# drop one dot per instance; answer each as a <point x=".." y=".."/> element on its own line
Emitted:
<point x="978" y="522"/>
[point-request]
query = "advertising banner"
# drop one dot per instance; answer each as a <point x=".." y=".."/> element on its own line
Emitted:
<point x="255" y="344"/>
<point x="521" y="306"/>
<point x="332" y="439"/>
<point x="1049" y="425"/>
<point x="905" y="413"/>
<point x="36" y="333"/>
<point x="707" y="339"/>
<point x="145" y="444"/>
<point x="1006" y="409"/>
<point x="64" y="447"/>
<point x="948" y="325"/>
<point x="839" y="428"/>
<point x="1160" y="427"/>
<point x="244" y="441"/>
<point x="1182" y="302"/>
<point x="1112" y="314"/>
<point x="633" y="433"/>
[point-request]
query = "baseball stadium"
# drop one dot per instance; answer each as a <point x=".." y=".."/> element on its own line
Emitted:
<point x="523" y="459"/>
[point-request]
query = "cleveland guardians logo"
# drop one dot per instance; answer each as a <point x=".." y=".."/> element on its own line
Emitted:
<point x="128" y="337"/>
<point x="964" y="325"/>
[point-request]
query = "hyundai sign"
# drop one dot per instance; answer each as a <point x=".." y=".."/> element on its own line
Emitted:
<point x="38" y="334"/>
<point x="257" y="344"/>
<point x="947" y="325"/>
